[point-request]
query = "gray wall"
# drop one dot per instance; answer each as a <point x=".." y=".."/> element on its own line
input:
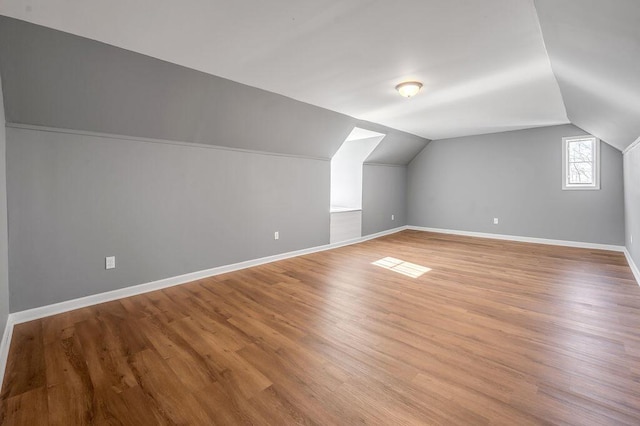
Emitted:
<point x="60" y="80"/>
<point x="4" y="274"/>
<point x="55" y="79"/>
<point x="161" y="209"/>
<point x="463" y="183"/>
<point x="632" y="202"/>
<point x="384" y="193"/>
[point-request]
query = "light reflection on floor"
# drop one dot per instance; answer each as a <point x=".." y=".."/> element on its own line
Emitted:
<point x="400" y="266"/>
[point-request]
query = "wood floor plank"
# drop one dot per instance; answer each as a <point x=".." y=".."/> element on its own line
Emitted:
<point x="494" y="332"/>
<point x="278" y="410"/>
<point x="70" y="391"/>
<point x="25" y="408"/>
<point x="163" y="387"/>
<point x="26" y="368"/>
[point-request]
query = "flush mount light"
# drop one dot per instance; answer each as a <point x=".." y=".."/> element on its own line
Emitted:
<point x="409" y="88"/>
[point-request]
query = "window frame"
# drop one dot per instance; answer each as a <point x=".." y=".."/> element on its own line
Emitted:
<point x="566" y="186"/>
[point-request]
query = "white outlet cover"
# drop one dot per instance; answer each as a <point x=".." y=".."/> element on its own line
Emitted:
<point x="110" y="262"/>
<point x="495" y="220"/>
<point x="276" y="235"/>
<point x="393" y="217"/>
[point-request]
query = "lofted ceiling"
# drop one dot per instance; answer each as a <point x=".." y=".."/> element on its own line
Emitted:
<point x="484" y="64"/>
<point x="594" y="46"/>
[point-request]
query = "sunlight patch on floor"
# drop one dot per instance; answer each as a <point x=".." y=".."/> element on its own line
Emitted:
<point x="400" y="266"/>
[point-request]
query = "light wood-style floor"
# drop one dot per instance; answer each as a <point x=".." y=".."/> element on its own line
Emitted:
<point x="494" y="333"/>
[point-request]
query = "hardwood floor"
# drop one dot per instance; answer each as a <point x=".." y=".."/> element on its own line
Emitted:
<point x="495" y="332"/>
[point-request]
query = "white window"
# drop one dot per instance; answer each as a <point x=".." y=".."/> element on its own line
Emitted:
<point x="581" y="162"/>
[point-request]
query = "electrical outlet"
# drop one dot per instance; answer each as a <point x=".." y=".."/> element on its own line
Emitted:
<point x="495" y="220"/>
<point x="110" y="262"/>
<point x="631" y="238"/>
<point x="276" y="235"/>
<point x="393" y="217"/>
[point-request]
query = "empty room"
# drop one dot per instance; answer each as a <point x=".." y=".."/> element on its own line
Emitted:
<point x="320" y="212"/>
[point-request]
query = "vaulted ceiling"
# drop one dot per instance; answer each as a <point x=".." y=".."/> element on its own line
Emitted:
<point x="594" y="47"/>
<point x="487" y="66"/>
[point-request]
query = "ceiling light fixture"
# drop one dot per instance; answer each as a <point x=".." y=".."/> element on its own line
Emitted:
<point x="409" y="88"/>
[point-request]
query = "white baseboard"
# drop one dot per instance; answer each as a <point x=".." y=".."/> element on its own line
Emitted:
<point x="632" y="265"/>
<point x="70" y="305"/>
<point x="521" y="239"/>
<point x="578" y="244"/>
<point x="4" y="348"/>
<point x="57" y="308"/>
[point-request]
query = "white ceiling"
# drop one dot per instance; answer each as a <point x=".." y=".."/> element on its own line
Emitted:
<point x="594" y="46"/>
<point x="484" y="64"/>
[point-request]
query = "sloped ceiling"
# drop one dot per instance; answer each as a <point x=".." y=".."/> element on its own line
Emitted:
<point x="55" y="79"/>
<point x="594" y="47"/>
<point x="483" y="63"/>
<point x="487" y="66"/>
<point x="396" y="149"/>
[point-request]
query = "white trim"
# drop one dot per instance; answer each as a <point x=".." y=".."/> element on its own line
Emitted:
<point x="57" y="308"/>
<point x="383" y="164"/>
<point x="566" y="186"/>
<point x="69" y="305"/>
<point x="153" y="140"/>
<point x="344" y="210"/>
<point x="534" y="240"/>
<point x="633" y="145"/>
<point x="94" y="299"/>
<point x="632" y="265"/>
<point x="4" y="347"/>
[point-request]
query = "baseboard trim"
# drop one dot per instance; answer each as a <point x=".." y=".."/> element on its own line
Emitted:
<point x="632" y="265"/>
<point x="57" y="308"/>
<point x="70" y="305"/>
<point x="4" y="347"/>
<point x="518" y="238"/>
